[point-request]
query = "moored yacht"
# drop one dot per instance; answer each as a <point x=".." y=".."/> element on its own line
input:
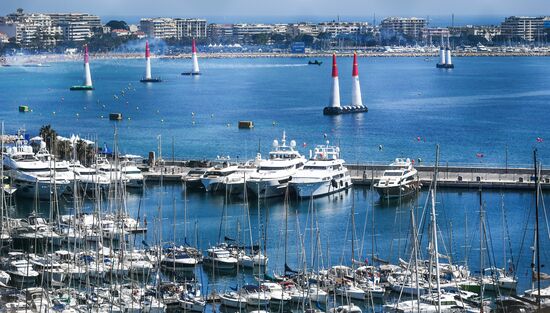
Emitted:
<point x="273" y="175"/>
<point x="398" y="181"/>
<point x="324" y="173"/>
<point x="114" y="173"/>
<point x="32" y="176"/>
<point x="214" y="179"/>
<point x="220" y="258"/>
<point x="180" y="258"/>
<point x="192" y="179"/>
<point x="90" y="179"/>
<point x="132" y="174"/>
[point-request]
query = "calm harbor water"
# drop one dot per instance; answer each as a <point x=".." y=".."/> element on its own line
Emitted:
<point x="509" y="218"/>
<point x="485" y="105"/>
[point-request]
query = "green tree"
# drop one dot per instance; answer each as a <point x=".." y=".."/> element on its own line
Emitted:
<point x="113" y="24"/>
<point x="260" y="39"/>
<point x="49" y="135"/>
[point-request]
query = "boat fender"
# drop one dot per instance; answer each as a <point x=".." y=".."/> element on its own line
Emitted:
<point x="334" y="183"/>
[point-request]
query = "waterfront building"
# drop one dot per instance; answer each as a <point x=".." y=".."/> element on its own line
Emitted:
<point x="342" y="28"/>
<point x="220" y="31"/>
<point x="525" y="28"/>
<point x="280" y="29"/>
<point x="162" y="28"/>
<point x="409" y="26"/>
<point x="31" y="30"/>
<point x="242" y="31"/>
<point x="77" y="27"/>
<point x="190" y="28"/>
<point x="298" y="29"/>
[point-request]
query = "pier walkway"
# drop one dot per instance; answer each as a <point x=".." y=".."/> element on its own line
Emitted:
<point x="450" y="176"/>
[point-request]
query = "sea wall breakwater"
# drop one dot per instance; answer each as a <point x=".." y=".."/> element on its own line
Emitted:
<point x="24" y="59"/>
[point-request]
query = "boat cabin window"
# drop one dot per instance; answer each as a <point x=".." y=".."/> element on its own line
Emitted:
<point x="35" y="170"/>
<point x="393" y="174"/>
<point x="312" y="167"/>
<point x="274" y="168"/>
<point x="24" y="157"/>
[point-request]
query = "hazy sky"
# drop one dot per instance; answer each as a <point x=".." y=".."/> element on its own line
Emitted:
<point x="282" y="8"/>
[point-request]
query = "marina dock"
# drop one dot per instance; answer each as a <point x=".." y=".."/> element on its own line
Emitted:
<point x="364" y="174"/>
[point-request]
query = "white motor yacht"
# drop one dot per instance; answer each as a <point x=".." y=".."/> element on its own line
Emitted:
<point x="399" y="181"/>
<point x="113" y="172"/>
<point x="52" y="271"/>
<point x="60" y="169"/>
<point x="349" y="308"/>
<point x="90" y="179"/>
<point x="192" y="180"/>
<point x="233" y="299"/>
<point x="324" y="173"/>
<point x="257" y="259"/>
<point x="214" y="179"/>
<point x="179" y="258"/>
<point x="496" y="279"/>
<point x="236" y="181"/>
<point x="32" y="177"/>
<point x="220" y="258"/>
<point x="273" y="175"/>
<point x="256" y="296"/>
<point x="132" y="174"/>
<point x="20" y="270"/>
<point x="430" y="303"/>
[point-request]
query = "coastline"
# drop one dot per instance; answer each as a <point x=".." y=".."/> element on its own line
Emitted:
<point x="51" y="58"/>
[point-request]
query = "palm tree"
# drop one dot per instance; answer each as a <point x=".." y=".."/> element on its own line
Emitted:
<point x="49" y="135"/>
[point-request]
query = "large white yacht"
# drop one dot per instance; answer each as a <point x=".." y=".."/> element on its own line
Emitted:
<point x="229" y="177"/>
<point x="215" y="177"/>
<point x="324" y="173"/>
<point x="90" y="179"/>
<point x="32" y="177"/>
<point x="272" y="176"/>
<point x="60" y="168"/>
<point x="110" y="170"/>
<point x="398" y="181"/>
<point x="132" y="173"/>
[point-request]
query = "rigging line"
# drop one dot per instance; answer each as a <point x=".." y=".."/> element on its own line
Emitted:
<point x="507" y="231"/>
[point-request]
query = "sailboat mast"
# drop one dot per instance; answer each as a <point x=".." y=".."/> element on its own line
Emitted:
<point x="481" y="237"/>
<point x="537" y="240"/>
<point x="434" y="229"/>
<point x="286" y="226"/>
<point x="352" y="228"/>
<point x="415" y="247"/>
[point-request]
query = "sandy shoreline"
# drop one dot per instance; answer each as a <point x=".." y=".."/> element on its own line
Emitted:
<point x="49" y="58"/>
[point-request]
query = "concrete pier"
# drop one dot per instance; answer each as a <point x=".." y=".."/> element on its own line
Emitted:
<point x="463" y="176"/>
<point x="450" y="176"/>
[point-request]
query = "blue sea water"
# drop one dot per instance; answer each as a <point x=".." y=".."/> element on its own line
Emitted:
<point x="485" y="105"/>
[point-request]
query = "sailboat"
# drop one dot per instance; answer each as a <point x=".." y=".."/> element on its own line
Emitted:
<point x="437" y="301"/>
<point x="536" y="299"/>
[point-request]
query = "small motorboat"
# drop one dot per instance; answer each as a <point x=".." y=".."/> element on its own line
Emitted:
<point x="316" y="62"/>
